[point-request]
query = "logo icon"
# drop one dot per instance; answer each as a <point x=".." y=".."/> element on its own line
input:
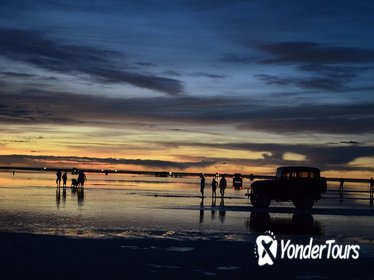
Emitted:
<point x="266" y="247"/>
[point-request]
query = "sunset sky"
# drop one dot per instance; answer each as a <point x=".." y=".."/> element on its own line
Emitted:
<point x="192" y="85"/>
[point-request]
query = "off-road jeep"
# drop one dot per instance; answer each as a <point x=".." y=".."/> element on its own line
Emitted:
<point x="301" y="185"/>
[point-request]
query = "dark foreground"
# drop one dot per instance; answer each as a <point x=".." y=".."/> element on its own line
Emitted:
<point x="27" y="256"/>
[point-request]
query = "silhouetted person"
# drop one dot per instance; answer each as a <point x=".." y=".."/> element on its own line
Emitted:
<point x="341" y="186"/>
<point x="371" y="191"/>
<point x="14" y="173"/>
<point x="214" y="187"/>
<point x="64" y="179"/>
<point x="202" y="185"/>
<point x="222" y="186"/>
<point x="58" y="178"/>
<point x="74" y="183"/>
<point x="81" y="178"/>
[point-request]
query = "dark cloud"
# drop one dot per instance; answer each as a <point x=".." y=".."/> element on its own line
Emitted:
<point x="350" y="142"/>
<point x="16" y="74"/>
<point x="320" y="67"/>
<point x="56" y="161"/>
<point x="35" y="48"/>
<point x="310" y="55"/>
<point x="334" y="71"/>
<point x="239" y="59"/>
<point x="275" y="80"/>
<point x="326" y="157"/>
<point x="319" y="83"/>
<point x="313" y="53"/>
<point x="323" y="77"/>
<point x="37" y="106"/>
<point x="172" y="73"/>
<point x="146" y="64"/>
<point x="207" y="75"/>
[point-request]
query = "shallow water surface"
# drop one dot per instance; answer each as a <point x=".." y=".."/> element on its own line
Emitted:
<point x="143" y="206"/>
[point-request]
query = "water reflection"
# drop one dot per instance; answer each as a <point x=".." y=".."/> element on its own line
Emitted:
<point x="58" y="198"/>
<point x="213" y="209"/>
<point x="80" y="194"/>
<point x="222" y="210"/>
<point x="76" y="193"/>
<point x="299" y="223"/>
<point x="64" y="196"/>
<point x="202" y="211"/>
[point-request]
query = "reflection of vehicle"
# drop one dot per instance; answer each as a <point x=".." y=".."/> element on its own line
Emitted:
<point x="237" y="181"/>
<point x="302" y="222"/>
<point x="301" y="185"/>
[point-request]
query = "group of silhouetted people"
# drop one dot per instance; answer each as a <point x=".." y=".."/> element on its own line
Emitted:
<point x="78" y="182"/>
<point x="222" y="186"/>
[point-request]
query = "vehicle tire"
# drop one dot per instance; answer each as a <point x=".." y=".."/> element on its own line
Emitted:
<point x="304" y="203"/>
<point x="261" y="201"/>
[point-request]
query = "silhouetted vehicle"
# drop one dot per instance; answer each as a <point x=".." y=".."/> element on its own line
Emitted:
<point x="162" y="174"/>
<point x="301" y="185"/>
<point x="237" y="181"/>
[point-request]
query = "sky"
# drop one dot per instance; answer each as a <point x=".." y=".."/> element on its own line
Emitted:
<point x="189" y="85"/>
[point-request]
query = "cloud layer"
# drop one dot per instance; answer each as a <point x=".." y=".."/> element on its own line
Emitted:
<point x="36" y="49"/>
<point x="243" y="113"/>
<point x="192" y="73"/>
<point x="70" y="161"/>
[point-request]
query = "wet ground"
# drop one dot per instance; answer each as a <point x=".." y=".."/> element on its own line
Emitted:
<point x="166" y="221"/>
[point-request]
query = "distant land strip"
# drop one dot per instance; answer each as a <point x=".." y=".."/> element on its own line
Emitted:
<point x="167" y="173"/>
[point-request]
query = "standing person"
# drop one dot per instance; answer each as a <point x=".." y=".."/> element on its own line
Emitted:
<point x="64" y="179"/>
<point x="371" y="191"/>
<point x="81" y="178"/>
<point x="214" y="187"/>
<point x="341" y="186"/>
<point x="222" y="186"/>
<point x="58" y="178"/>
<point x="202" y="185"/>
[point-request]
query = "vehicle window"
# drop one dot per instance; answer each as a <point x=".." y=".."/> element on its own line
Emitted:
<point x="304" y="174"/>
<point x="279" y="173"/>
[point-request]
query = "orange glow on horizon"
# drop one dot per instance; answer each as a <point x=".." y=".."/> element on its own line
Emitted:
<point x="74" y="143"/>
